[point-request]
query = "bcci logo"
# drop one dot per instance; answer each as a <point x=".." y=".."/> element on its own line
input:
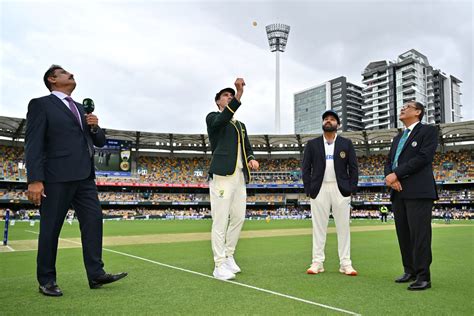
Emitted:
<point x="125" y="157"/>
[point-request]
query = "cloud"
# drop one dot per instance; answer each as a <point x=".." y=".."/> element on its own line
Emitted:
<point x="157" y="66"/>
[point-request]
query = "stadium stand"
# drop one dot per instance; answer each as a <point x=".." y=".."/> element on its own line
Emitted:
<point x="172" y="183"/>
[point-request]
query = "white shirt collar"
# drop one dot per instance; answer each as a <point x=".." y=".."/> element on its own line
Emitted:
<point x="326" y="141"/>
<point x="412" y="126"/>
<point x="59" y="94"/>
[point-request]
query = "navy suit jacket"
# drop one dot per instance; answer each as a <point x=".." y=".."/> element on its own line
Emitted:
<point x="56" y="148"/>
<point x="345" y="166"/>
<point x="415" y="170"/>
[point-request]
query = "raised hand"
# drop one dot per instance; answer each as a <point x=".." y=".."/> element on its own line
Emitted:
<point x="239" y="84"/>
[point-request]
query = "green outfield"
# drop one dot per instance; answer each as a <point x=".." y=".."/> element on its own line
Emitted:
<point x="171" y="276"/>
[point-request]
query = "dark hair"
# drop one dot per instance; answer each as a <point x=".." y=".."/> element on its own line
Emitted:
<point x="419" y="106"/>
<point x="50" y="73"/>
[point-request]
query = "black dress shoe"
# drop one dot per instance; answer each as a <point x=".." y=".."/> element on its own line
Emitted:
<point x="50" y="289"/>
<point x="419" y="286"/>
<point x="105" y="279"/>
<point x="406" y="277"/>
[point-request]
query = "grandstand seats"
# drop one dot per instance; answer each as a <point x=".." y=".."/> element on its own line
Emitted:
<point x="449" y="166"/>
<point x="452" y="166"/>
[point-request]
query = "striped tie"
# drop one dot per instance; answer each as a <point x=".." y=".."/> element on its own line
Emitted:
<point x="401" y="143"/>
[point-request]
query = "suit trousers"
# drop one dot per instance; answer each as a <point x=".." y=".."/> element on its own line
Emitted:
<point x="82" y="196"/>
<point x="330" y="198"/>
<point x="413" y="225"/>
<point x="228" y="204"/>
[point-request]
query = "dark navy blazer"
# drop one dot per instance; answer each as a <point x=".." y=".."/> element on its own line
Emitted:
<point x="415" y="170"/>
<point x="345" y="166"/>
<point x="56" y="148"/>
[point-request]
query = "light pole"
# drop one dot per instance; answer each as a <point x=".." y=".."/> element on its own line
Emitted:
<point x="277" y="37"/>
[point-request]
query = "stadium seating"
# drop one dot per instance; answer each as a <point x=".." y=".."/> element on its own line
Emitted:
<point x="450" y="166"/>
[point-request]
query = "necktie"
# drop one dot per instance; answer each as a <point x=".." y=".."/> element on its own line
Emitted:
<point x="401" y="143"/>
<point x="72" y="107"/>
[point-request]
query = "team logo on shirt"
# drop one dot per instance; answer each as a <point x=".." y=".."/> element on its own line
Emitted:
<point x="221" y="194"/>
<point x="342" y="154"/>
<point x="414" y="144"/>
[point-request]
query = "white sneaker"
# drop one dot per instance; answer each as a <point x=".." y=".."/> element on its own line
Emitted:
<point x="348" y="270"/>
<point x="231" y="265"/>
<point x="222" y="273"/>
<point x="315" y="268"/>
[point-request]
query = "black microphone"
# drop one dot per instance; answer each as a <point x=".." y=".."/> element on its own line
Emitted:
<point x="89" y="107"/>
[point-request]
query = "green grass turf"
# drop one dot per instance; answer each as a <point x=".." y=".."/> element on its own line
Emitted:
<point x="276" y="263"/>
<point x="142" y="227"/>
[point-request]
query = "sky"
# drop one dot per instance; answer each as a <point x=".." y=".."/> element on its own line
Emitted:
<point x="156" y="65"/>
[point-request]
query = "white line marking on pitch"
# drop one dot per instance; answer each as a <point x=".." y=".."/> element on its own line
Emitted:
<point x="233" y="282"/>
<point x="62" y="239"/>
<point x="10" y="248"/>
<point x="211" y="277"/>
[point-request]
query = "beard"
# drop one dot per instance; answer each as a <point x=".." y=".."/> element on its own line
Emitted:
<point x="329" y="128"/>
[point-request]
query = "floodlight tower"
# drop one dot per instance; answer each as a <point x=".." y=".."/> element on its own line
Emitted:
<point x="277" y="37"/>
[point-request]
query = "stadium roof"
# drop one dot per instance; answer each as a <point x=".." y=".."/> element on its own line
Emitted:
<point x="13" y="129"/>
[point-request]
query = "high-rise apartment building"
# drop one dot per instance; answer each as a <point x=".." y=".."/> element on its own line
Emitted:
<point x="338" y="94"/>
<point x="389" y="85"/>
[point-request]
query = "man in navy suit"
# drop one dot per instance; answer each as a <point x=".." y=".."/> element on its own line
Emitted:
<point x="330" y="176"/>
<point x="409" y="173"/>
<point x="59" y="153"/>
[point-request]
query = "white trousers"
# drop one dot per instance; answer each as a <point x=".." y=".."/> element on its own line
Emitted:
<point x="228" y="204"/>
<point x="329" y="197"/>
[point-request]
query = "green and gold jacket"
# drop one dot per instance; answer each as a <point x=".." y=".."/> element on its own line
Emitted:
<point x="225" y="135"/>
